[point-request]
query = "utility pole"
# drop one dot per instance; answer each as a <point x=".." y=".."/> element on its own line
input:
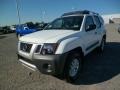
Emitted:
<point x="18" y="11"/>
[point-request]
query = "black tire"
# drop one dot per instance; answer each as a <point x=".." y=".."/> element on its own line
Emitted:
<point x="72" y="58"/>
<point x="102" y="45"/>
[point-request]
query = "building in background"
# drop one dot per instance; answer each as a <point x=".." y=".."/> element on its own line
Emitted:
<point x="112" y="18"/>
<point x="116" y="20"/>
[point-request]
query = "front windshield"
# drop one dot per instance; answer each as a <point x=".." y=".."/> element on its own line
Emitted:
<point x="69" y="23"/>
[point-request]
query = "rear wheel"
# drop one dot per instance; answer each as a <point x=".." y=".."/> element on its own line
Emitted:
<point x="73" y="67"/>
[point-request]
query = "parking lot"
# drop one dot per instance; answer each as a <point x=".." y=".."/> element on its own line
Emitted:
<point x="100" y="71"/>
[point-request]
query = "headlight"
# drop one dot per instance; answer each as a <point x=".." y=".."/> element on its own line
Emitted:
<point x="49" y="49"/>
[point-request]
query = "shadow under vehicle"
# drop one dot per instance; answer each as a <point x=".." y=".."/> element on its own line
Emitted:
<point x="101" y="67"/>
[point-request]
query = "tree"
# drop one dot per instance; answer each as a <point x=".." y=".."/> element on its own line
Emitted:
<point x="30" y="25"/>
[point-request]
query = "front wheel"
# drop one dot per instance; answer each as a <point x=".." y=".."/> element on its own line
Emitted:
<point x="73" y="67"/>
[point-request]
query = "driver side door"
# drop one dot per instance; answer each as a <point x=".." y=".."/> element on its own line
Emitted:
<point x="90" y="37"/>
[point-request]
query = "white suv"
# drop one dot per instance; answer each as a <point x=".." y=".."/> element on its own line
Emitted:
<point x="59" y="48"/>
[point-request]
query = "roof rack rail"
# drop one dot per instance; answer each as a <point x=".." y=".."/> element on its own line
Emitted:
<point x="79" y="12"/>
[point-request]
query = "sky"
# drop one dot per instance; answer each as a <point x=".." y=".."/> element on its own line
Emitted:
<point x="48" y="10"/>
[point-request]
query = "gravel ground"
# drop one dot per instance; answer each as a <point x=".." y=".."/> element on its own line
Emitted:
<point x="100" y="71"/>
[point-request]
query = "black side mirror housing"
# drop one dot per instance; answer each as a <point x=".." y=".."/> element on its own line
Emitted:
<point x="91" y="27"/>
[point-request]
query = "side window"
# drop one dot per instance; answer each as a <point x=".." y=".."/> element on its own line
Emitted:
<point x="89" y="21"/>
<point x="98" y="23"/>
<point x="101" y="20"/>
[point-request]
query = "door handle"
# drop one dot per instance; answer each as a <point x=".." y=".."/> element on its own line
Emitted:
<point x="95" y="32"/>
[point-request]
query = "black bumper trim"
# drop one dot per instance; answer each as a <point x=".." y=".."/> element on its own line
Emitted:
<point x="51" y="64"/>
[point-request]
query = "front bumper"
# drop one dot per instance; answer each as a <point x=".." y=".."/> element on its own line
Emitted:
<point x="47" y="64"/>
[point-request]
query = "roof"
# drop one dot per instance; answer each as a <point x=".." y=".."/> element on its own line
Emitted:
<point x="79" y="12"/>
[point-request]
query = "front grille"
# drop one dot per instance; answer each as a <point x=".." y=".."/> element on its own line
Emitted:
<point x="25" y="47"/>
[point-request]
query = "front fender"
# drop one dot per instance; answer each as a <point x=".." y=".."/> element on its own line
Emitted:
<point x="70" y="44"/>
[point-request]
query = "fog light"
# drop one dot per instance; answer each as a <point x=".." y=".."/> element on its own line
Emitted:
<point x="47" y="67"/>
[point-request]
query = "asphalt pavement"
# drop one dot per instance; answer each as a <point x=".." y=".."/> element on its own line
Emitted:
<point x="100" y="71"/>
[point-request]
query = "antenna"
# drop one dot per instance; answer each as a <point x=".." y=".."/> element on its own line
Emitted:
<point x="18" y="11"/>
<point x="43" y="15"/>
<point x="73" y="8"/>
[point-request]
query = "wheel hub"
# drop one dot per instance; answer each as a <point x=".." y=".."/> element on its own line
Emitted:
<point x="74" y="66"/>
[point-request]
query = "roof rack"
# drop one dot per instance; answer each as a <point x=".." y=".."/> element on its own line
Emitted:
<point x="79" y="12"/>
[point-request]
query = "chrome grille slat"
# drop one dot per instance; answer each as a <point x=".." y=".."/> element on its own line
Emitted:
<point x="38" y="49"/>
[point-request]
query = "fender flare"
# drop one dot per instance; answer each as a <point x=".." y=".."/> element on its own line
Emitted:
<point x="70" y="44"/>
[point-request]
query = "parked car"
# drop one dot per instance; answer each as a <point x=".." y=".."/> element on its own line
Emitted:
<point x="59" y="49"/>
<point x="6" y="29"/>
<point x="28" y="28"/>
<point x="41" y="26"/>
<point x="12" y="28"/>
<point x="0" y="29"/>
<point x="22" y="30"/>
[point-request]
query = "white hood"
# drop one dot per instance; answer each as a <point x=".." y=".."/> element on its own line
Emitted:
<point x="47" y="36"/>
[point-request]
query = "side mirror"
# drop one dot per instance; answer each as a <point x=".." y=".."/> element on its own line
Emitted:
<point x="91" y="27"/>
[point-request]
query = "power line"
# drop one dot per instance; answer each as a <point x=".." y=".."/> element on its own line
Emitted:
<point x="18" y="12"/>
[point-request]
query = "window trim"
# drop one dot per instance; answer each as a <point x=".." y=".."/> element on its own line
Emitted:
<point x="97" y="17"/>
<point x="86" y="21"/>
